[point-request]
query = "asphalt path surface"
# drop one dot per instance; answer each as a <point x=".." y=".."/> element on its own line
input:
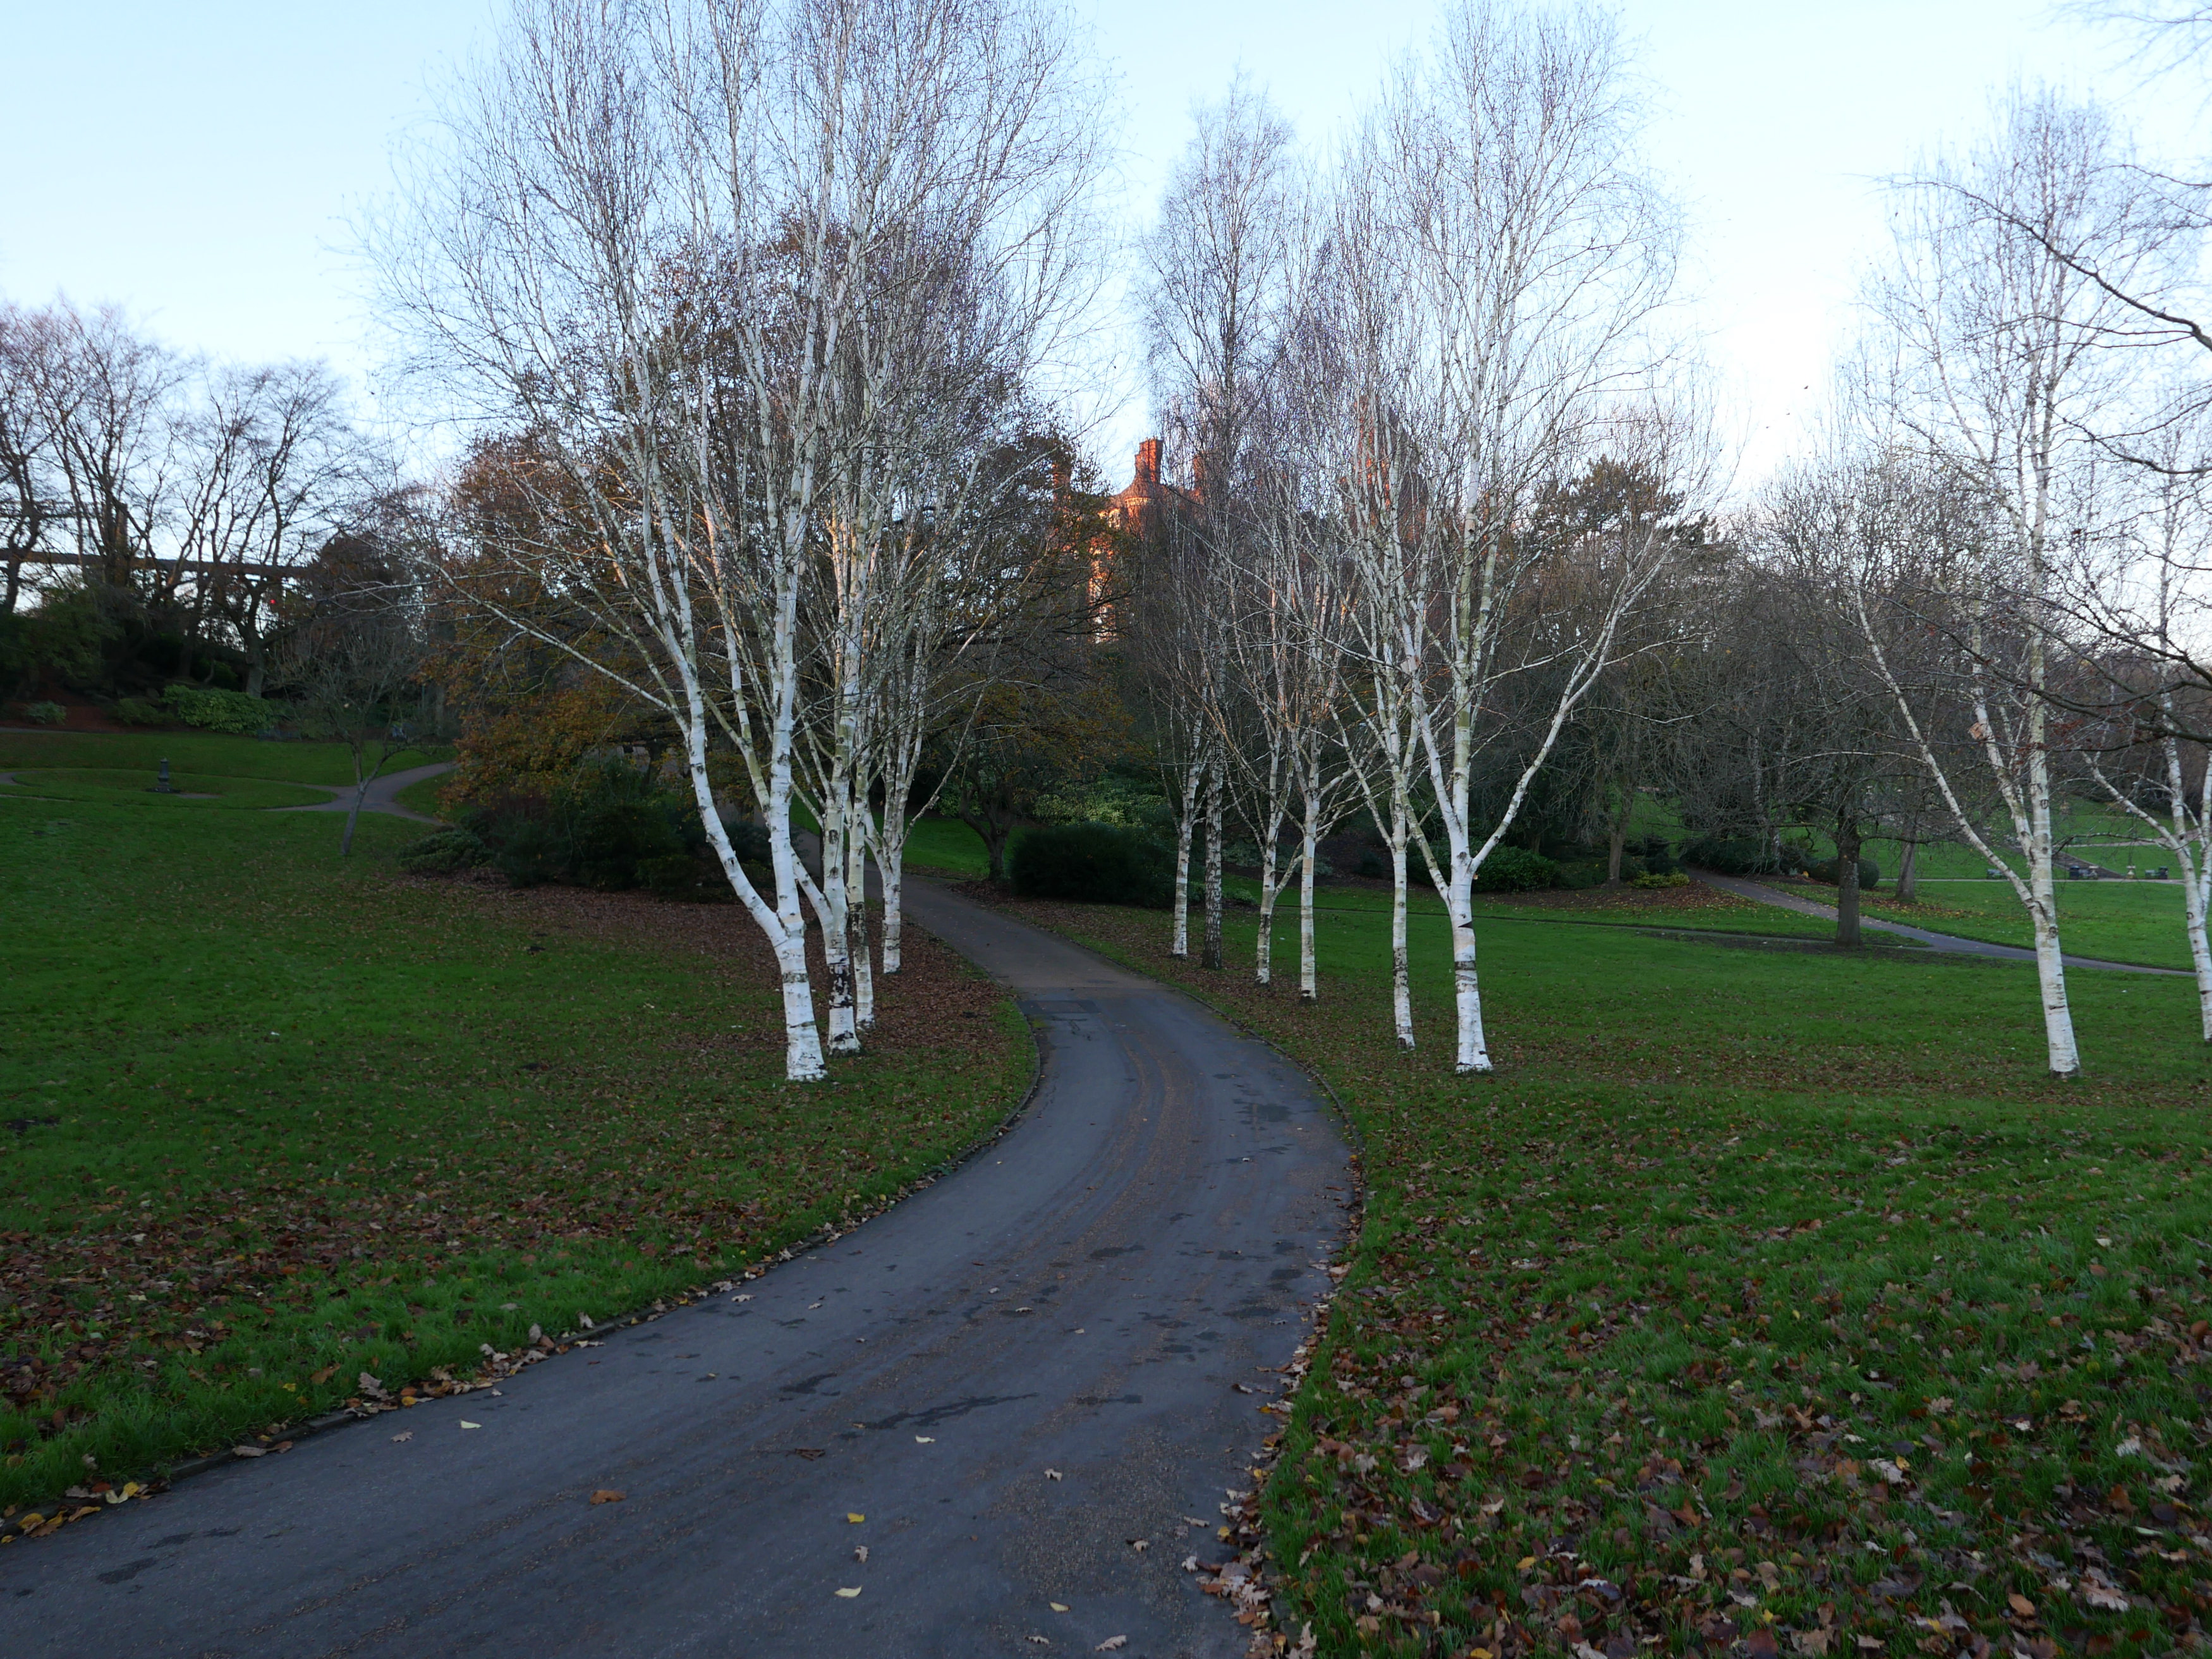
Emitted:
<point x="1945" y="943"/>
<point x="382" y="795"/>
<point x="1081" y="1297"/>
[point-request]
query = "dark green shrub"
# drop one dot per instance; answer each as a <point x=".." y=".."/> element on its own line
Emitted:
<point x="609" y="826"/>
<point x="528" y="851"/>
<point x="137" y="711"/>
<point x="1576" y="878"/>
<point x="749" y="840"/>
<point x="1658" y="858"/>
<point x="444" y="850"/>
<point x="1731" y="855"/>
<point x="46" y="713"/>
<point x="221" y="711"/>
<point x="1829" y="870"/>
<point x="1093" y="864"/>
<point x="1515" y="870"/>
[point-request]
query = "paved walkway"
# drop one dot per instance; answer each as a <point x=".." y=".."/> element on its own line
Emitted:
<point x="1015" y="1375"/>
<point x="382" y="793"/>
<point x="1948" y="943"/>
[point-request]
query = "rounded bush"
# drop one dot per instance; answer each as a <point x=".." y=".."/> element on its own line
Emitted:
<point x="1093" y="864"/>
<point x="1515" y="870"/>
<point x="1830" y="871"/>
<point x="232" y="712"/>
<point x="442" y="851"/>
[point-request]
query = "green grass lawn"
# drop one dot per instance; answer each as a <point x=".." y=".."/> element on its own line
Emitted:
<point x="423" y="797"/>
<point x="270" y="1119"/>
<point x="2115" y="920"/>
<point x="946" y="845"/>
<point x="205" y="754"/>
<point x="1764" y="1301"/>
<point x="119" y="787"/>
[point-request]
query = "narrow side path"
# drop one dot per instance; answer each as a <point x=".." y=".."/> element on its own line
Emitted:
<point x="382" y="793"/>
<point x="995" y="1388"/>
<point x="1948" y="943"/>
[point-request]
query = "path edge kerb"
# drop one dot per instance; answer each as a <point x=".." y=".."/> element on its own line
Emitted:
<point x="780" y="1254"/>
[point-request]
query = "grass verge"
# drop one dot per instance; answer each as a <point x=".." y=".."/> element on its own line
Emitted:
<point x="1755" y="1304"/>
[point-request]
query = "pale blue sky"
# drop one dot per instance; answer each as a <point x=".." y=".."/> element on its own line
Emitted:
<point x="200" y="162"/>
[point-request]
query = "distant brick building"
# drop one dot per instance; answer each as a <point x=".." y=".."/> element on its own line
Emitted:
<point x="1140" y="507"/>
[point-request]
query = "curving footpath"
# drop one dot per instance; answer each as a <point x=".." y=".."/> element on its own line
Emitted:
<point x="1943" y="943"/>
<point x="1084" y="1295"/>
<point x="382" y="795"/>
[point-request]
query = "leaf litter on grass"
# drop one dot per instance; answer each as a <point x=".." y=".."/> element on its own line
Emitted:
<point x="1868" y="1345"/>
<point x="219" y="1224"/>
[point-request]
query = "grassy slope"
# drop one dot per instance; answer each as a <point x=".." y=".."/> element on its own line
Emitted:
<point x="205" y="753"/>
<point x="1754" y="1298"/>
<point x="309" y="1119"/>
<point x="422" y="797"/>
<point x="193" y="789"/>
<point x="945" y="845"/>
<point x="2117" y="921"/>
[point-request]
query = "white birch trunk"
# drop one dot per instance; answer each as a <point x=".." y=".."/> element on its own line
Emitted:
<point x="1185" y="823"/>
<point x="1401" y="977"/>
<point x="856" y="884"/>
<point x="1308" y="981"/>
<point x="1214" y="791"/>
<point x="1263" y="949"/>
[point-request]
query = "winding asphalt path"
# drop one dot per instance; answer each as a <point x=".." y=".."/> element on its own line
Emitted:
<point x="1082" y="1296"/>
<point x="382" y="796"/>
<point x="1946" y="944"/>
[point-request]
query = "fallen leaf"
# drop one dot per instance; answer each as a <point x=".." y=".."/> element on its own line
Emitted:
<point x="1141" y="1545"/>
<point x="607" y="1495"/>
<point x="1110" y="1643"/>
<point x="2020" y="1605"/>
<point x="323" y="1375"/>
<point x="467" y="1424"/>
<point x="1057" y="1607"/>
<point x="849" y="1594"/>
<point x="249" y="1451"/>
<point x="1041" y="1641"/>
<point x="925" y="1440"/>
<point x="404" y="1434"/>
<point x="855" y="1519"/>
<point x="2099" y="1591"/>
<point x="860" y="1555"/>
<point x="1052" y="1475"/>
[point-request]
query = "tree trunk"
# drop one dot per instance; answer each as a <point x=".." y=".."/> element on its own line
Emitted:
<point x="353" y="812"/>
<point x="1616" y="844"/>
<point x="856" y="887"/>
<point x="1179" y="943"/>
<point x="1309" y="983"/>
<point x="1908" y="874"/>
<point x="1847" y="884"/>
<point x="835" y="914"/>
<point x="2193" y="896"/>
<point x="1401" y="978"/>
<point x="1214" y="793"/>
<point x="1263" y="948"/>
<point x="2065" y="1058"/>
